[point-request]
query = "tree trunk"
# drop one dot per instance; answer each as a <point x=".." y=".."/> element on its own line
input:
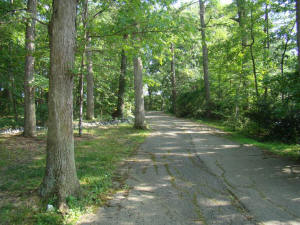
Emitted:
<point x="298" y="31"/>
<point x="122" y="83"/>
<point x="205" y="57"/>
<point x="173" y="79"/>
<point x="282" y="65"/>
<point x="267" y="44"/>
<point x="84" y="21"/>
<point x="242" y="27"/>
<point x="12" y="95"/>
<point x="81" y="96"/>
<point x="252" y="55"/>
<point x="29" y="109"/>
<point x="139" y="98"/>
<point x="89" y="82"/>
<point x="60" y="178"/>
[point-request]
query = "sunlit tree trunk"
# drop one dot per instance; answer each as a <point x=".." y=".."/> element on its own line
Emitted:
<point x="205" y="56"/>
<point x="139" y="122"/>
<point x="60" y="178"/>
<point x="29" y="108"/>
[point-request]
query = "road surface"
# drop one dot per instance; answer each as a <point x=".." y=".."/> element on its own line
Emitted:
<point x="187" y="173"/>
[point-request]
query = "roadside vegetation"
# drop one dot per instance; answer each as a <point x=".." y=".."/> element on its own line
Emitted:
<point x="98" y="153"/>
<point x="242" y="136"/>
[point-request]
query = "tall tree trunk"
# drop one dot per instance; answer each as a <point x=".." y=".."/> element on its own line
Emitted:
<point x="122" y="83"/>
<point x="12" y="87"/>
<point x="282" y="65"/>
<point x="81" y="96"/>
<point x="29" y="109"/>
<point x="84" y="21"/>
<point x="60" y="178"/>
<point x="12" y="95"/>
<point x="252" y="56"/>
<point x="298" y="31"/>
<point x="139" y="121"/>
<point x="173" y="79"/>
<point x="205" y="56"/>
<point x="267" y="43"/>
<point x="89" y="81"/>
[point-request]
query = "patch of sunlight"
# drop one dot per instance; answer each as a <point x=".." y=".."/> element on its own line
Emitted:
<point x="138" y="160"/>
<point x="140" y="198"/>
<point x="216" y="202"/>
<point x="272" y="222"/>
<point x="144" y="188"/>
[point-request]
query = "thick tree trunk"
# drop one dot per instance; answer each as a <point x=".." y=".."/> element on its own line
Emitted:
<point x="139" y="122"/>
<point x="29" y="109"/>
<point x="60" y="177"/>
<point x="122" y="84"/>
<point x="298" y="31"/>
<point x="89" y="82"/>
<point x="173" y="79"/>
<point x="205" y="57"/>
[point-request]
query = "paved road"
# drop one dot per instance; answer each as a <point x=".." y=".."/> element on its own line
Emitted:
<point x="186" y="173"/>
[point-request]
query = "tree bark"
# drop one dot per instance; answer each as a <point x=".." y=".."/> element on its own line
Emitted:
<point x="252" y="56"/>
<point x="173" y="79"/>
<point x="205" y="56"/>
<point x="298" y="31"/>
<point x="139" y="122"/>
<point x="81" y="96"/>
<point x="90" y="82"/>
<point x="267" y="44"/>
<point x="84" y="21"/>
<point x="122" y="84"/>
<point x="60" y="178"/>
<point x="29" y="109"/>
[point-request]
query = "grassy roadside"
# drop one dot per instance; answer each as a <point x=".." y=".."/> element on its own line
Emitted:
<point x="22" y="161"/>
<point x="278" y="148"/>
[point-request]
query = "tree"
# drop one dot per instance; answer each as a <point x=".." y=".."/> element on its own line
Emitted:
<point x="60" y="177"/>
<point x="90" y="81"/>
<point x="205" y="56"/>
<point x="173" y="79"/>
<point x="85" y="37"/>
<point x="29" y="109"/>
<point x="139" y="113"/>
<point x="122" y="83"/>
<point x="298" y="31"/>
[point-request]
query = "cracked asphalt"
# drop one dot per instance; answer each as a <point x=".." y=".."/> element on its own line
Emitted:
<point x="187" y="173"/>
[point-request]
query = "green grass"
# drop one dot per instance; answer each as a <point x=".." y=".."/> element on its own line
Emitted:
<point x="278" y="148"/>
<point x="22" y="166"/>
